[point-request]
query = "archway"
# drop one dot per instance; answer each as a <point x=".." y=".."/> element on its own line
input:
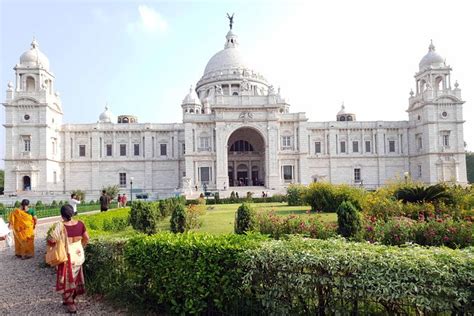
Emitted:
<point x="26" y="183"/>
<point x="246" y="158"/>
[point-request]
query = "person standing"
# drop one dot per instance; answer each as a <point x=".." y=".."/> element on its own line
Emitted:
<point x="104" y="201"/>
<point x="124" y="200"/>
<point x="23" y="223"/>
<point x="69" y="275"/>
<point x="119" y="201"/>
<point x="73" y="202"/>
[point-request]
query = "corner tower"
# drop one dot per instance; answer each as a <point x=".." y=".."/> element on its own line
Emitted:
<point x="436" y="124"/>
<point x="33" y="118"/>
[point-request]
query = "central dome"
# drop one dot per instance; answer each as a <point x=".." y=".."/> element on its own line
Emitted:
<point x="228" y="58"/>
<point x="34" y="57"/>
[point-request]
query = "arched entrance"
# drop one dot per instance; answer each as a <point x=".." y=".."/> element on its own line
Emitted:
<point x="246" y="158"/>
<point x="26" y="183"/>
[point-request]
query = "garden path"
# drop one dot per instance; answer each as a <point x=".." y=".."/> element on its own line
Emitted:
<point x="27" y="286"/>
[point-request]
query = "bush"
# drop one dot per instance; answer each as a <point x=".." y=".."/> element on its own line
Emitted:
<point x="145" y="216"/>
<point x="326" y="197"/>
<point x="193" y="216"/>
<point x="178" y="219"/>
<point x="424" y="194"/>
<point x="276" y="226"/>
<point x="110" y="221"/>
<point x="348" y="220"/>
<point x="17" y="204"/>
<point x="244" y="219"/>
<point x="54" y="203"/>
<point x="39" y="204"/>
<point x="81" y="195"/>
<point x="332" y="277"/>
<point x="112" y="191"/>
<point x="295" y="193"/>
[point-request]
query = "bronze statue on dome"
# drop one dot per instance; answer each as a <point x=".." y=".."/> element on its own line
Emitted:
<point x="231" y="19"/>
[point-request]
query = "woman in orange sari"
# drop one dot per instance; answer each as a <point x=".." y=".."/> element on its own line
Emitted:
<point x="22" y="221"/>
<point x="69" y="275"/>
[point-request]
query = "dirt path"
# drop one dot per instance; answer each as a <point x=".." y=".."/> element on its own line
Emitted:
<point x="27" y="286"/>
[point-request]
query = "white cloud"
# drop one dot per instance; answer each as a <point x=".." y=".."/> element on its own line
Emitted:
<point x="150" y="21"/>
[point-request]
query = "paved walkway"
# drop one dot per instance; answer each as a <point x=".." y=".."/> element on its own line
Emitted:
<point x="27" y="286"/>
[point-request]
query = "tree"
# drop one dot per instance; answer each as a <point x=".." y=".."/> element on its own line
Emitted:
<point x="112" y="191"/>
<point x="470" y="167"/>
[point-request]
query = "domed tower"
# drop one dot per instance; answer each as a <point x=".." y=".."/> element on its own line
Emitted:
<point x="436" y="123"/>
<point x="228" y="73"/>
<point x="33" y="118"/>
<point x="191" y="103"/>
<point x="106" y="116"/>
<point x="342" y="115"/>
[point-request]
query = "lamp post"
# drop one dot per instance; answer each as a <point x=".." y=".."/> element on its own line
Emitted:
<point x="406" y="174"/>
<point x="131" y="189"/>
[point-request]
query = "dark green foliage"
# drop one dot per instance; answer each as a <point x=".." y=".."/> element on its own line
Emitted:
<point x="80" y="195"/>
<point x="39" y="205"/>
<point x="144" y="216"/>
<point x="110" y="221"/>
<point x="470" y="167"/>
<point x="326" y="197"/>
<point x="167" y="206"/>
<point x="245" y="219"/>
<point x="295" y="194"/>
<point x="425" y="194"/>
<point x="17" y="204"/>
<point x="178" y="218"/>
<point x="348" y="220"/>
<point x="54" y="203"/>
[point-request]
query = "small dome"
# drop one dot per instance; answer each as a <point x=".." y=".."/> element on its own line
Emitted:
<point x="342" y="111"/>
<point x="34" y="57"/>
<point x="106" y="116"/>
<point x="431" y="59"/>
<point x="191" y="97"/>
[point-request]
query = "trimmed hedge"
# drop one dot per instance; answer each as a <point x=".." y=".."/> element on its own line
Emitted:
<point x="243" y="274"/>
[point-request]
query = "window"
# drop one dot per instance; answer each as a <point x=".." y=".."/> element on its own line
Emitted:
<point x="163" y="149"/>
<point x="391" y="146"/>
<point x="419" y="142"/>
<point x="204" y="143"/>
<point x="136" y="149"/>
<point x="123" y="179"/>
<point x="287" y="173"/>
<point x="204" y="174"/>
<point x="27" y="143"/>
<point x="53" y="147"/>
<point x="241" y="145"/>
<point x="82" y="150"/>
<point x="355" y="146"/>
<point x="446" y="140"/>
<point x="367" y="146"/>
<point x="357" y="178"/>
<point x="286" y="142"/>
<point x="317" y="147"/>
<point x="108" y="150"/>
<point x="343" y="147"/>
<point x="419" y="171"/>
<point x="123" y="149"/>
<point x="184" y="149"/>
<point x="55" y="177"/>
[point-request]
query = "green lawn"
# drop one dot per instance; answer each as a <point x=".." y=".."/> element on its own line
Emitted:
<point x="219" y="219"/>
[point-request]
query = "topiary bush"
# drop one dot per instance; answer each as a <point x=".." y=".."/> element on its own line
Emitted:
<point x="145" y="216"/>
<point x="348" y="220"/>
<point x="39" y="205"/>
<point x="245" y="219"/>
<point x="178" y="219"/>
<point x="326" y="197"/>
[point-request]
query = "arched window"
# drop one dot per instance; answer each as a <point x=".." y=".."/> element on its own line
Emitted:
<point x="439" y="83"/>
<point x="342" y="118"/>
<point x="349" y="118"/>
<point x="235" y="93"/>
<point x="191" y="111"/>
<point x="241" y="145"/>
<point x="30" y="84"/>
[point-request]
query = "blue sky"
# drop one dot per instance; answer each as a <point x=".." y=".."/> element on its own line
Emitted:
<point x="141" y="56"/>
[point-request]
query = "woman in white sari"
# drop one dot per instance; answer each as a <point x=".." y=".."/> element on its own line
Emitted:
<point x="73" y="235"/>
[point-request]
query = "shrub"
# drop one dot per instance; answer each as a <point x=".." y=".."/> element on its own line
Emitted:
<point x="444" y="232"/>
<point x="332" y="277"/>
<point x="111" y="221"/>
<point x="17" y="204"/>
<point x="167" y="206"/>
<point x="81" y="195"/>
<point x="144" y="216"/>
<point x="276" y="226"/>
<point x="39" y="204"/>
<point x="193" y="216"/>
<point x="112" y="191"/>
<point x="326" y="197"/>
<point x="178" y="219"/>
<point x="295" y="193"/>
<point x="278" y="198"/>
<point x="54" y="203"/>
<point x="348" y="220"/>
<point x="244" y="219"/>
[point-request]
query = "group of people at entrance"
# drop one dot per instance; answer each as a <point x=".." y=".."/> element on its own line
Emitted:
<point x="68" y="236"/>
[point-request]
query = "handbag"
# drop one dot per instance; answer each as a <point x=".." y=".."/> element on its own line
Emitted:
<point x="57" y="253"/>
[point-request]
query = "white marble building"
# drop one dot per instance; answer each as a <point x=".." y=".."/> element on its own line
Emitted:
<point x="237" y="130"/>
